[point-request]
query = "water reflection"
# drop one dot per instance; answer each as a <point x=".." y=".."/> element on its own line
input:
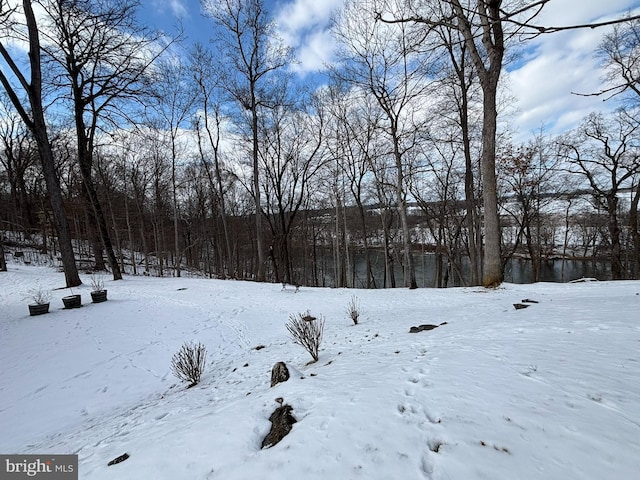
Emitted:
<point x="517" y="270"/>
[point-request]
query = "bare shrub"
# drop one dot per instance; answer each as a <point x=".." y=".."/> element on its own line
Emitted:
<point x="307" y="332"/>
<point x="188" y="363"/>
<point x="97" y="282"/>
<point x="39" y="295"/>
<point x="353" y="309"/>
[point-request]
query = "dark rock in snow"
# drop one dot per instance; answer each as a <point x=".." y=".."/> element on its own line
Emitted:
<point x="279" y="373"/>
<point x="281" y="424"/>
<point x="119" y="459"/>
<point x="520" y="306"/>
<point x="528" y="300"/>
<point x="420" y="328"/>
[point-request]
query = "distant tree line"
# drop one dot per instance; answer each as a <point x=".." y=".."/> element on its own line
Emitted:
<point x="123" y="149"/>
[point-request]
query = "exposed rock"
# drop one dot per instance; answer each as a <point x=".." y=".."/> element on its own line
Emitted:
<point x="528" y="300"/>
<point x="520" y="306"/>
<point x="279" y="373"/>
<point x="119" y="459"/>
<point x="281" y="424"/>
<point x="420" y="328"/>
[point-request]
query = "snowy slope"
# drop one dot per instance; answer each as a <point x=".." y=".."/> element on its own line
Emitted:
<point x="548" y="392"/>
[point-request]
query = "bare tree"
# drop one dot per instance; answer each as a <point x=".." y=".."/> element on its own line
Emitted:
<point x="385" y="196"/>
<point x="482" y="25"/>
<point x="18" y="156"/>
<point x="32" y="114"/>
<point x="526" y="175"/>
<point x="102" y="57"/>
<point x="292" y="156"/>
<point x="436" y="184"/>
<point x="247" y="40"/>
<point x="174" y="100"/>
<point x="206" y="78"/>
<point x="138" y="171"/>
<point x="352" y="132"/>
<point x="620" y="51"/>
<point x="381" y="59"/>
<point x="634" y="226"/>
<point x="459" y="96"/>
<point x="605" y="152"/>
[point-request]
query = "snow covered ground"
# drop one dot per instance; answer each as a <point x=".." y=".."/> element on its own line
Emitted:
<point x="547" y="392"/>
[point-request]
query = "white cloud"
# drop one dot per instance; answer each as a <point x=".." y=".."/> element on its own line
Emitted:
<point x="301" y="15"/>
<point x="561" y="64"/>
<point x="552" y="67"/>
<point x="304" y="25"/>
<point x="176" y="7"/>
<point x="572" y="12"/>
<point x="315" y="53"/>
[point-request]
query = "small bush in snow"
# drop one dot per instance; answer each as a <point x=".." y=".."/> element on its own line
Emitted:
<point x="353" y="309"/>
<point x="97" y="282"/>
<point x="307" y="332"/>
<point x="39" y="295"/>
<point x="188" y="363"/>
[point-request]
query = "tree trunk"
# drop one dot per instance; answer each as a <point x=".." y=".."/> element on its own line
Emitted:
<point x="489" y="75"/>
<point x="348" y="271"/>
<point x="469" y="197"/>
<point x="116" y="235"/>
<point x="221" y="200"/>
<point x="340" y="267"/>
<point x="635" y="233"/>
<point x="617" y="270"/>
<point x="223" y="215"/>
<point x="38" y="127"/>
<point x="492" y="271"/>
<point x="533" y="252"/>
<point x="85" y="162"/>
<point x="409" y="269"/>
<point x="57" y="206"/>
<point x="460" y="66"/>
<point x="176" y="235"/>
<point x="389" y="273"/>
<point x="3" y="262"/>
<point x="100" y="220"/>
<point x="370" y="281"/>
<point x="260" y="272"/>
<point x="92" y="233"/>
<point x="132" y="249"/>
<point x="566" y="238"/>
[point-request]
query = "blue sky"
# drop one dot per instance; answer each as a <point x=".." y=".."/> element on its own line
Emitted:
<point x="550" y="69"/>
<point x="303" y="24"/>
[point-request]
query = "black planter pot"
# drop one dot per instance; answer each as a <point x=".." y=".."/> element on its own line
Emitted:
<point x="99" y="296"/>
<point x="72" y="301"/>
<point x="38" y="309"/>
